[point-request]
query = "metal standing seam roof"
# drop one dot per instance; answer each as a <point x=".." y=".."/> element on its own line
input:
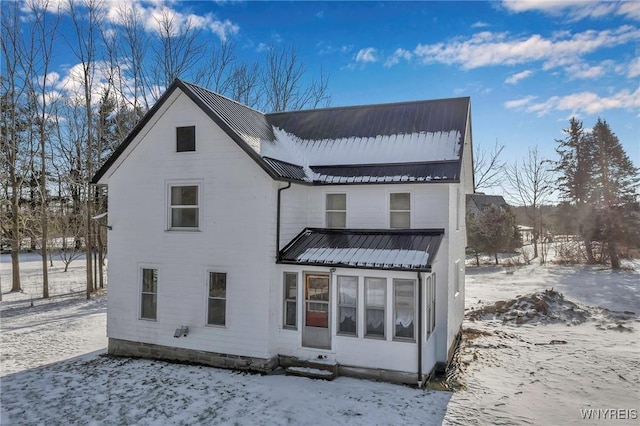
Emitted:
<point x="404" y="250"/>
<point x="444" y="171"/>
<point x="249" y="128"/>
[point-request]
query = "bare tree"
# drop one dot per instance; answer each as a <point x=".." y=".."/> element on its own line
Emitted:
<point x="16" y="156"/>
<point x="176" y="51"/>
<point x="86" y="24"/>
<point x="488" y="168"/>
<point x="283" y="82"/>
<point x="531" y="185"/>
<point x="43" y="34"/>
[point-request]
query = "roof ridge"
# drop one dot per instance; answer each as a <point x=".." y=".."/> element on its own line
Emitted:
<point x="187" y="83"/>
<point x="380" y="104"/>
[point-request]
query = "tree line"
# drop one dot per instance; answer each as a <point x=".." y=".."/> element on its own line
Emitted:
<point x="593" y="178"/>
<point x="55" y="134"/>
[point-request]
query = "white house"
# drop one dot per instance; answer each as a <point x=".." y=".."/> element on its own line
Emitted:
<point x="334" y="235"/>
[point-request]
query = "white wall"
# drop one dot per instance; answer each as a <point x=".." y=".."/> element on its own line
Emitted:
<point x="236" y="236"/>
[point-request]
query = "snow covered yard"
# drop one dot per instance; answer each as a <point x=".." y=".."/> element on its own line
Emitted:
<point x="540" y="358"/>
<point x="546" y="359"/>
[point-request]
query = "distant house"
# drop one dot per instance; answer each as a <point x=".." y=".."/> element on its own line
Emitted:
<point x="249" y="240"/>
<point x="526" y="233"/>
<point x="478" y="202"/>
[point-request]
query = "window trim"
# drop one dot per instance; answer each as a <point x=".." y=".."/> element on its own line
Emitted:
<point x="141" y="269"/>
<point x="342" y="305"/>
<point x="456" y="271"/>
<point x="195" y="138"/>
<point x="346" y="209"/>
<point x="225" y="298"/>
<point x="395" y="309"/>
<point x="169" y="207"/>
<point x="430" y="305"/>
<point x="389" y="211"/>
<point x="384" y="310"/>
<point x="285" y="299"/>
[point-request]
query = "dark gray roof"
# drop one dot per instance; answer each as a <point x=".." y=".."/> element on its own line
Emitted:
<point x="441" y="115"/>
<point x="406" y="250"/>
<point x="444" y="171"/>
<point x="240" y="118"/>
<point x="482" y="201"/>
<point x="248" y="127"/>
<point x="286" y="170"/>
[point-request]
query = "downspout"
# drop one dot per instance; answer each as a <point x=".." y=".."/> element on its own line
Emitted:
<point x="420" y="384"/>
<point x="278" y="220"/>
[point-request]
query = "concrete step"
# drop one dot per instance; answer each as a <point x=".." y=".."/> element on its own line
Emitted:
<point x="312" y="373"/>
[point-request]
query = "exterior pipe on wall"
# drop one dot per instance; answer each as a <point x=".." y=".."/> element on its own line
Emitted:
<point x="278" y="220"/>
<point x="420" y="384"/>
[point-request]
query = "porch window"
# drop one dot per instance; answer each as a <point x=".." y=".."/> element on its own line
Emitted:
<point x="183" y="207"/>
<point x="375" y="302"/>
<point x="149" y="297"/>
<point x="404" y="299"/>
<point x="290" y="300"/>
<point x="186" y="138"/>
<point x="336" y="211"/>
<point x="430" y="304"/>
<point x="217" y="306"/>
<point x="400" y="210"/>
<point x="347" y="305"/>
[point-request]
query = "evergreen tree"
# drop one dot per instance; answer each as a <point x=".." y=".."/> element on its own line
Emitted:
<point x="576" y="181"/>
<point x="493" y="231"/>
<point x="617" y="180"/>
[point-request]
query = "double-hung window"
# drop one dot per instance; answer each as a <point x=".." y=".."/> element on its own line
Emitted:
<point x="375" y="303"/>
<point x="347" y="305"/>
<point x="400" y="210"/>
<point x="217" y="306"/>
<point x="404" y="300"/>
<point x="290" y="300"/>
<point x="183" y="208"/>
<point x="336" y="210"/>
<point x="149" y="296"/>
<point x="186" y="138"/>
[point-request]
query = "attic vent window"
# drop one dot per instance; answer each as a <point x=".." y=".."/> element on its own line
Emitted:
<point x="186" y="138"/>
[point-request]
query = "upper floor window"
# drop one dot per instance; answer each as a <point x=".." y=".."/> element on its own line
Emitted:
<point x="183" y="207"/>
<point x="400" y="210"/>
<point x="186" y="138"/>
<point x="336" y="210"/>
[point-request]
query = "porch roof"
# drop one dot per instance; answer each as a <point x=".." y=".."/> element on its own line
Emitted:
<point x="400" y="250"/>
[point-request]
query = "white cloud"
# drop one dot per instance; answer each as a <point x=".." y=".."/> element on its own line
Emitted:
<point x="513" y="79"/>
<point x="367" y="55"/>
<point x="519" y="103"/>
<point x="479" y="24"/>
<point x="397" y="56"/>
<point x="151" y="12"/>
<point x="490" y="49"/>
<point x="586" y="71"/>
<point x="634" y="68"/>
<point x="575" y="10"/>
<point x="587" y="102"/>
<point x="262" y="47"/>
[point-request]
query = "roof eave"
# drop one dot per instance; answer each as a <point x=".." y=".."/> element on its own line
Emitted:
<point x="343" y="265"/>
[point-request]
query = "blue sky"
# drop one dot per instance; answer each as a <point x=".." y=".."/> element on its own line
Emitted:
<point x="527" y="65"/>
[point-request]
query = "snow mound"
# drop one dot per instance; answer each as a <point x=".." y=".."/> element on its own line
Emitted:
<point x="547" y="307"/>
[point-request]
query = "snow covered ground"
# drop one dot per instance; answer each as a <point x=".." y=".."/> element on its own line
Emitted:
<point x="541" y="358"/>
